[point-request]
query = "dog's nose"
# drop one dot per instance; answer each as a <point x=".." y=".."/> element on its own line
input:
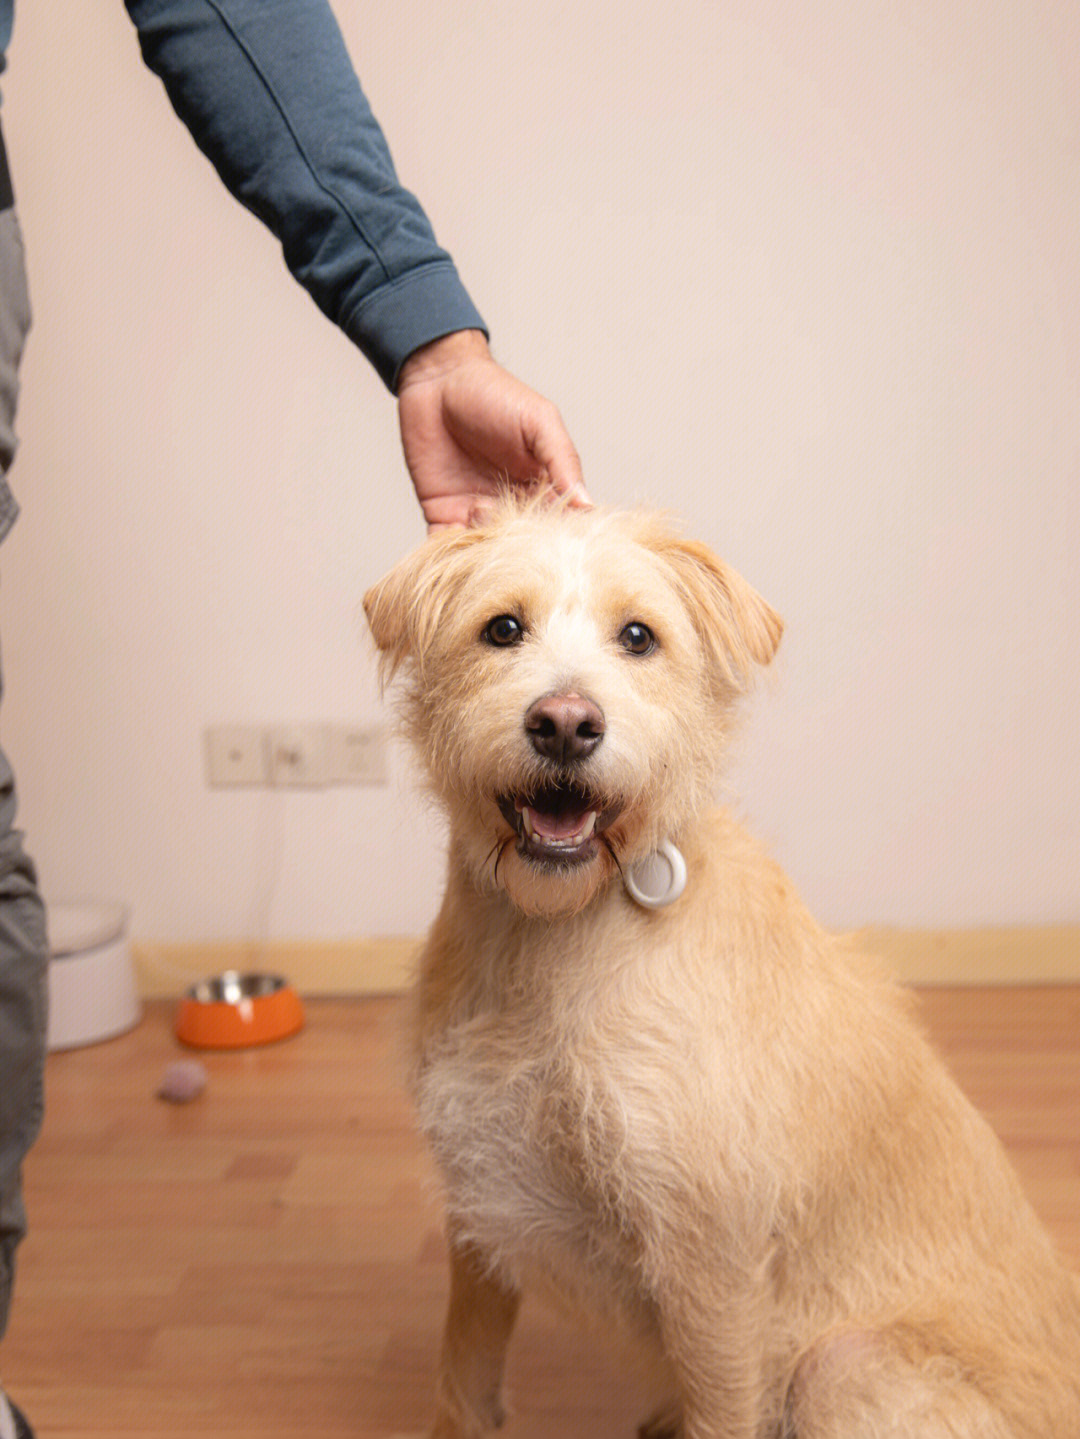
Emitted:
<point x="564" y="726"/>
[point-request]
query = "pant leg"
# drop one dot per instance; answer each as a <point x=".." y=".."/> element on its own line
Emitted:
<point x="14" y="324"/>
<point x="23" y="947"/>
<point x="23" y="972"/>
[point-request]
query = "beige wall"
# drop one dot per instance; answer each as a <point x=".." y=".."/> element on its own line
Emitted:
<point x="805" y="273"/>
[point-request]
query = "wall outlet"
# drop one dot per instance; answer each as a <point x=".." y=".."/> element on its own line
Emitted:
<point x="295" y="756"/>
<point x="235" y="755"/>
<point x="357" y="755"/>
<point x="298" y="755"/>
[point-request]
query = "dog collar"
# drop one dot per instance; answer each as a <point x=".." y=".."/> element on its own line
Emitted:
<point x="658" y="879"/>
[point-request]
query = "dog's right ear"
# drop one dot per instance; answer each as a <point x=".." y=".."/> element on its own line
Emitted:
<point x="738" y="628"/>
<point x="404" y="609"/>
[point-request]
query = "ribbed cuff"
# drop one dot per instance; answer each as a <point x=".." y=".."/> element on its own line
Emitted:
<point x="407" y="312"/>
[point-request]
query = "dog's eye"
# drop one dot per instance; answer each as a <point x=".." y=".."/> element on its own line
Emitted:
<point x="503" y="630"/>
<point x="637" y="638"/>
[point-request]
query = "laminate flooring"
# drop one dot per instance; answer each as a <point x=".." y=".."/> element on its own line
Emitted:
<point x="267" y="1262"/>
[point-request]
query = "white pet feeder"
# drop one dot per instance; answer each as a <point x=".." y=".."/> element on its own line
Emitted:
<point x="91" y="979"/>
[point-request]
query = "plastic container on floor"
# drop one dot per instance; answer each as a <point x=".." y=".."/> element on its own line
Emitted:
<point x="92" y="992"/>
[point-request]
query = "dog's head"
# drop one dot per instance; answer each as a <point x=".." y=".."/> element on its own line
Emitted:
<point x="570" y="674"/>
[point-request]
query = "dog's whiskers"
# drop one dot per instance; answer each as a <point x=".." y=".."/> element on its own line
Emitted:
<point x="611" y="850"/>
<point x="499" y="845"/>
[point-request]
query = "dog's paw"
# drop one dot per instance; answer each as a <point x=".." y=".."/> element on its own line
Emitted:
<point x="665" y="1424"/>
<point x="459" y="1423"/>
<point x="449" y="1427"/>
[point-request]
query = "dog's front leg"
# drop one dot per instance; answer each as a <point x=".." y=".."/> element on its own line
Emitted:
<point x="478" y="1326"/>
<point x="711" y="1337"/>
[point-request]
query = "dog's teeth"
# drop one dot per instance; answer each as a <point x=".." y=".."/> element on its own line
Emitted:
<point x="589" y="825"/>
<point x="526" y="816"/>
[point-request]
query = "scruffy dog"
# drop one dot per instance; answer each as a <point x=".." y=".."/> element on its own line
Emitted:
<point x="692" y="1112"/>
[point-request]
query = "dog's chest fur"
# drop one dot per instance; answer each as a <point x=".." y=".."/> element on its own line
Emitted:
<point x="526" y="1113"/>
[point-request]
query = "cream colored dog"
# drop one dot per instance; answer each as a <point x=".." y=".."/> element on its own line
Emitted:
<point x="699" y="1115"/>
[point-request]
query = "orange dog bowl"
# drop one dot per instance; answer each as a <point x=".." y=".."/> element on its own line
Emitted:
<point x="235" y="1010"/>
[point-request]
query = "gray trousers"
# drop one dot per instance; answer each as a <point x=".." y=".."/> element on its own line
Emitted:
<point x="23" y="947"/>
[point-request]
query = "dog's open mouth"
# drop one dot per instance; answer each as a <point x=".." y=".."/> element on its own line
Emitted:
<point x="556" y="823"/>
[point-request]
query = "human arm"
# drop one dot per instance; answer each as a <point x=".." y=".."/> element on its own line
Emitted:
<point x="270" y="95"/>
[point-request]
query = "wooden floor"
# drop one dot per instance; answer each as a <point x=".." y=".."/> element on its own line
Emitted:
<point x="266" y="1262"/>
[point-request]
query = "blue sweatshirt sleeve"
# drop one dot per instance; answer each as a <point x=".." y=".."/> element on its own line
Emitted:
<point x="267" y="90"/>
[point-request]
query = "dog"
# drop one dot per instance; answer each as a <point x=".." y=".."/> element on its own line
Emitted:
<point x="652" y="1083"/>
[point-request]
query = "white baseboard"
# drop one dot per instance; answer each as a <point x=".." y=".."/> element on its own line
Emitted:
<point x="1044" y="954"/>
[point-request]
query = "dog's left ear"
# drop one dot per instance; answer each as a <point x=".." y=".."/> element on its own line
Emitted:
<point x="738" y="628"/>
<point x="404" y="609"/>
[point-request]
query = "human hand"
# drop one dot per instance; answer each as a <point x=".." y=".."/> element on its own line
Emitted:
<point x="468" y="426"/>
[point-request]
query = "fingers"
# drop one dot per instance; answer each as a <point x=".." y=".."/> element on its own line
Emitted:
<point x="468" y="427"/>
<point x="546" y="439"/>
<point x="466" y="512"/>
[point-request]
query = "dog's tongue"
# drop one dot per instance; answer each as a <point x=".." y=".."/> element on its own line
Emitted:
<point x="558" y="823"/>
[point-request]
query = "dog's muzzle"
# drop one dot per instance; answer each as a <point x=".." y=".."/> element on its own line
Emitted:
<point x="558" y="823"/>
<point x="559" y="819"/>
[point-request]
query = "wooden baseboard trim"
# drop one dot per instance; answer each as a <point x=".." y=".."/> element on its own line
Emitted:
<point x="1036" y="954"/>
<point x="1043" y="954"/>
<point x="330" y="967"/>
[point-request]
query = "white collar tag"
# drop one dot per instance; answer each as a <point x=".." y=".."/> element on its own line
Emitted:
<point x="658" y="879"/>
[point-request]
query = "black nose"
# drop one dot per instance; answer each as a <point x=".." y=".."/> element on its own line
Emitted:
<point x="564" y="726"/>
